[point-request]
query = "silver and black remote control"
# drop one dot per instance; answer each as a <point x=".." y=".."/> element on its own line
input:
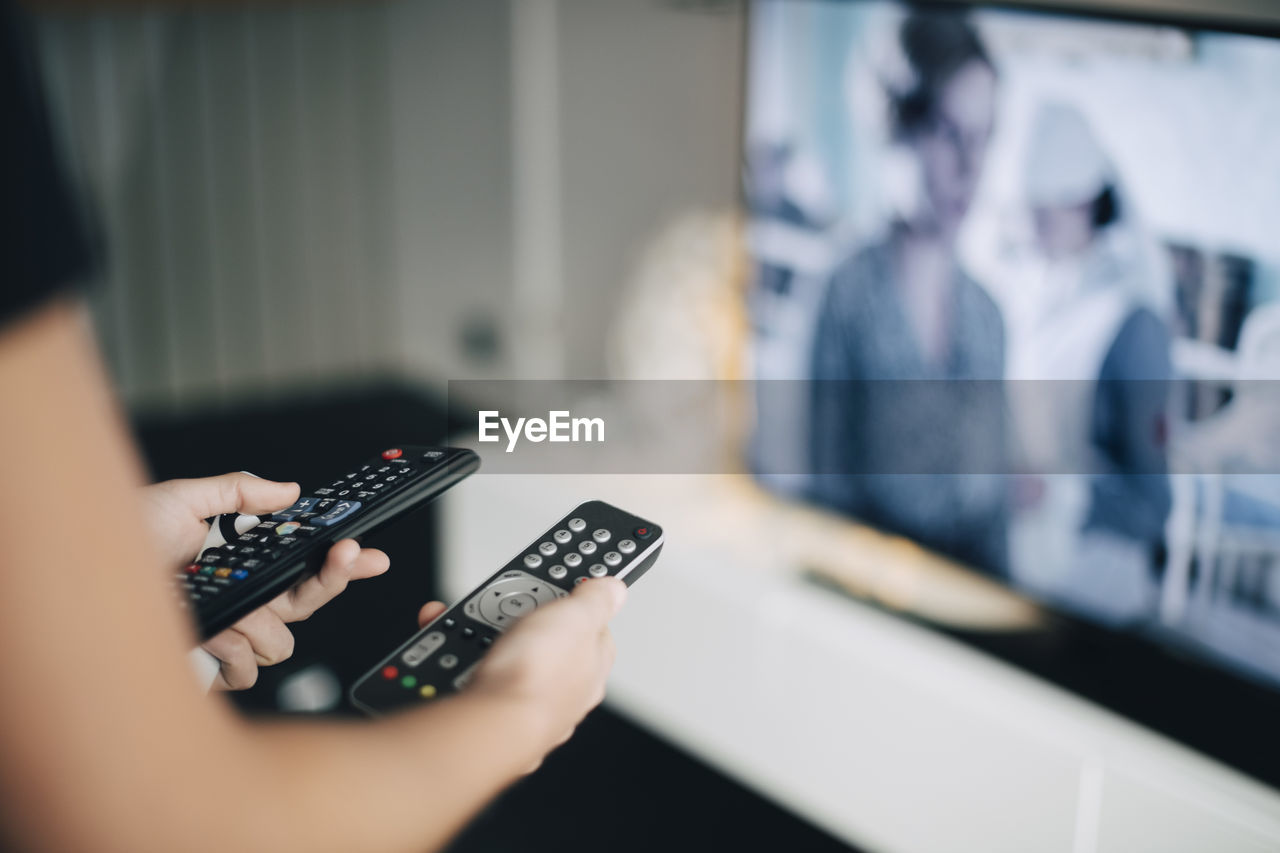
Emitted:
<point x="595" y="540"/>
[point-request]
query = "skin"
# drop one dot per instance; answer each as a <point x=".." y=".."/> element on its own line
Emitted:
<point x="175" y="513"/>
<point x="1063" y="232"/>
<point x="107" y="744"/>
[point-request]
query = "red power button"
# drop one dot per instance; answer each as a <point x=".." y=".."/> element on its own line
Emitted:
<point x="393" y="453"/>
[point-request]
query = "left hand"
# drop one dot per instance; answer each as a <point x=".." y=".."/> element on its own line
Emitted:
<point x="175" y="513"/>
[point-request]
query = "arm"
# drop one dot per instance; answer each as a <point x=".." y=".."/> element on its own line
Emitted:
<point x="132" y="757"/>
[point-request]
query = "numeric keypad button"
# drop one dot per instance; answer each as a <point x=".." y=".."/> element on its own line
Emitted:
<point x="562" y="537"/>
<point x="600" y="535"/>
<point x="587" y="547"/>
<point x="612" y="558"/>
<point x="572" y="560"/>
<point x="577" y="525"/>
<point x="627" y="546"/>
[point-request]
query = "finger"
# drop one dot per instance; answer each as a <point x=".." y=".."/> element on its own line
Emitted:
<point x="270" y="640"/>
<point x="599" y="599"/>
<point x="240" y="492"/>
<point x="346" y="562"/>
<point x="239" y="669"/>
<point x="430" y="612"/>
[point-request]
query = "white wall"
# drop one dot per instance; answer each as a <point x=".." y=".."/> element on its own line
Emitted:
<point x="295" y="194"/>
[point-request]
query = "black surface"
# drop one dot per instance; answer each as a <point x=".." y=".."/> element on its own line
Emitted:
<point x="614" y="787"/>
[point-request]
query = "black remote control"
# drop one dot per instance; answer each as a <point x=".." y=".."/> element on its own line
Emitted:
<point x="594" y="540"/>
<point x="229" y="581"/>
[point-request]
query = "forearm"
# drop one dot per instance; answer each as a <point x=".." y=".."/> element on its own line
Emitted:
<point x="410" y="782"/>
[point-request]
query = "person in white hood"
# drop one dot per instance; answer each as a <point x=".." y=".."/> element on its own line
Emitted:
<point x="1092" y="316"/>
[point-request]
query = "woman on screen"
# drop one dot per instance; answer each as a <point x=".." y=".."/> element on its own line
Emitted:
<point x="1094" y="357"/>
<point x="919" y="458"/>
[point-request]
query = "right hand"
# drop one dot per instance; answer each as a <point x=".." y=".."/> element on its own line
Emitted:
<point x="556" y="660"/>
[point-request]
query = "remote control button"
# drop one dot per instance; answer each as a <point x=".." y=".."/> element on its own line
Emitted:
<point x="393" y="453"/>
<point x="486" y="641"/>
<point x="308" y="529"/>
<point x="432" y="454"/>
<point x="577" y="525"/>
<point x="409" y="682"/>
<point x="597" y="570"/>
<point x="211" y="558"/>
<point x="643" y="532"/>
<point x="600" y="535"/>
<point x="427" y="691"/>
<point x="206" y="570"/>
<point x="224" y="572"/>
<point x="325" y="505"/>
<point x="449" y="623"/>
<point x="515" y="606"/>
<point x="557" y="572"/>
<point x="239" y="574"/>
<point x="468" y="633"/>
<point x="579" y="579"/>
<point x="423" y="649"/>
<point x="587" y="547"/>
<point x="612" y="558"/>
<point x="325" y="491"/>
<point x="626" y="546"/>
<point x="389" y="672"/>
<point x="341" y="511"/>
<point x="573" y="560"/>
<point x="532" y="561"/>
<point x="252" y="564"/>
<point x="287" y="528"/>
<point x="448" y="661"/>
<point x="192" y="569"/>
<point x="301" y="505"/>
<point x="562" y="536"/>
<point x="287" y="541"/>
<point x="546" y="549"/>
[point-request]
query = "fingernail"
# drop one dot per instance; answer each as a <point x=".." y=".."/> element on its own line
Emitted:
<point x="251" y="474"/>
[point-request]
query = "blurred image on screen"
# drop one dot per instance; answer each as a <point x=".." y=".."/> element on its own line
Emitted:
<point x="1019" y="271"/>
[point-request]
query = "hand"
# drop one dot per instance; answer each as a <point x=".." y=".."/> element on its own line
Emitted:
<point x="175" y="512"/>
<point x="555" y="660"/>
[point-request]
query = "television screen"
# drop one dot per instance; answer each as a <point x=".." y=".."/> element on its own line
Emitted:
<point x="1018" y="276"/>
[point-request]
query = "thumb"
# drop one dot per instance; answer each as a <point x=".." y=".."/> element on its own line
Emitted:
<point x="600" y="599"/>
<point x="243" y="493"/>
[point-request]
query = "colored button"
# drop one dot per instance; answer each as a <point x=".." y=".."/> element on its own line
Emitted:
<point x="579" y="579"/>
<point x="644" y="532"/>
<point x="389" y="672"/>
<point x="409" y="681"/>
<point x="392" y="453"/>
<point x="192" y="569"/>
<point x="206" y="570"/>
<point x="223" y="572"/>
<point x="427" y="691"/>
<point x="239" y="574"/>
<point x="287" y="528"/>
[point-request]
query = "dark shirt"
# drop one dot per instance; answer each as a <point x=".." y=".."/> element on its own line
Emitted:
<point x="1133" y="498"/>
<point x="909" y="446"/>
<point x="43" y="245"/>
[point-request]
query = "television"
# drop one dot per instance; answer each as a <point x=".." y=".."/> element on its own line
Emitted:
<point x="1018" y="271"/>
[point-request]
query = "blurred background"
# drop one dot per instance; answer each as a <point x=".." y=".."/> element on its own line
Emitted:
<point x="317" y="214"/>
